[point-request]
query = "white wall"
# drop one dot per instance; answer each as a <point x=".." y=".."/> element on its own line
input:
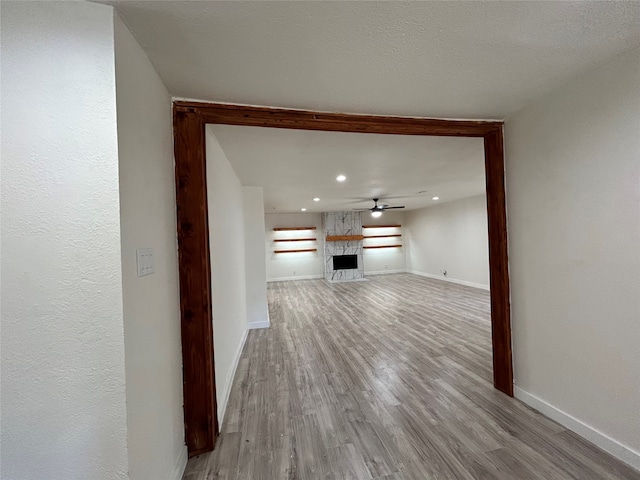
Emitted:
<point x="255" y="261"/>
<point x="452" y="236"/>
<point x="384" y="260"/>
<point x="63" y="370"/>
<point x="228" y="275"/>
<point x="573" y="198"/>
<point x="292" y="266"/>
<point x="289" y="266"/>
<point x="153" y="356"/>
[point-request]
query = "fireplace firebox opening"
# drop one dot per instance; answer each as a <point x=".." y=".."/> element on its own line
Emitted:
<point x="345" y="262"/>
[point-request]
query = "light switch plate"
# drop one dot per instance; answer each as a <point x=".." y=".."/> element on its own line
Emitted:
<point x="146" y="262"/>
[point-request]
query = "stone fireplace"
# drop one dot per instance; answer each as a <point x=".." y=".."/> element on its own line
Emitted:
<point x="343" y="246"/>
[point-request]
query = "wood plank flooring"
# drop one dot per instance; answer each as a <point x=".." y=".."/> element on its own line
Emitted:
<point x="385" y="379"/>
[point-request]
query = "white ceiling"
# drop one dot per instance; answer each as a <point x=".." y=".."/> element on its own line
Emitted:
<point x="294" y="166"/>
<point x="439" y="59"/>
<point x="434" y="59"/>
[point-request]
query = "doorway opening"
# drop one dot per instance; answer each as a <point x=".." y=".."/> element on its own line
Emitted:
<point x="190" y="119"/>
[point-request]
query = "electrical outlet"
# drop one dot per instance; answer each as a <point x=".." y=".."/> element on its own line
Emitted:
<point x="294" y="273"/>
<point x="386" y="267"/>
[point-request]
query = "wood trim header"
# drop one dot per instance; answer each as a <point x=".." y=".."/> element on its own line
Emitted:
<point x="220" y="113"/>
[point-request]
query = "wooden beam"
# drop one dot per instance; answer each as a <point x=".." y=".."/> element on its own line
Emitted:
<point x="219" y="113"/>
<point x="200" y="409"/>
<point x="498" y="263"/>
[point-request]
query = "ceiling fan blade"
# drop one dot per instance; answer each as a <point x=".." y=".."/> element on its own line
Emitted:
<point x="361" y="209"/>
<point x="390" y="208"/>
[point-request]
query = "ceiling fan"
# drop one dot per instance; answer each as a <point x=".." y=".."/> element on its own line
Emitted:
<point x="377" y="210"/>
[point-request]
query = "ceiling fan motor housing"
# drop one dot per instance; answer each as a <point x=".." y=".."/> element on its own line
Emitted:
<point x="378" y="208"/>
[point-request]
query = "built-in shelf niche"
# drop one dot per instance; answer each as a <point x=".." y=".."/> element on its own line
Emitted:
<point x="374" y="235"/>
<point x="306" y="238"/>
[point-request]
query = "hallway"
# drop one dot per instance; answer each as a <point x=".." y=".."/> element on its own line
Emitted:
<point x="384" y="379"/>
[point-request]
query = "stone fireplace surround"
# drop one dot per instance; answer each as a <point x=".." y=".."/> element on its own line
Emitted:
<point x="341" y="224"/>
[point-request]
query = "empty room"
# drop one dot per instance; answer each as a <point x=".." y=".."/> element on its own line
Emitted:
<point x="376" y="252"/>
<point x="320" y="240"/>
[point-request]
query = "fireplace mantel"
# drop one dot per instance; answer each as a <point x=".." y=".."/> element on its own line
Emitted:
<point x="343" y="238"/>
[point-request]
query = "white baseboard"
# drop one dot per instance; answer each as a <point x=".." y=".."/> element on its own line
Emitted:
<point x="384" y="272"/>
<point x="608" y="444"/>
<point x="299" y="277"/>
<point x="452" y="280"/>
<point x="262" y="324"/>
<point x="222" y="405"/>
<point x="181" y="464"/>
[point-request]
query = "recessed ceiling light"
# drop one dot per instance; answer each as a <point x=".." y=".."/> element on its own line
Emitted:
<point x="341" y="178"/>
<point x="316" y="199"/>
<point x="376" y="213"/>
<point x="303" y="209"/>
<point x="435" y="198"/>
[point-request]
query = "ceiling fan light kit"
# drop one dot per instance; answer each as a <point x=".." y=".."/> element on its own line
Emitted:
<point x="377" y="210"/>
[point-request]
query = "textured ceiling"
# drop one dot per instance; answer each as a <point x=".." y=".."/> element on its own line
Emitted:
<point x="439" y="59"/>
<point x="294" y="166"/>
<point x="433" y="59"/>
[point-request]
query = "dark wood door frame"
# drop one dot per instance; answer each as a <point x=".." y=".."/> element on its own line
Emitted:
<point x="190" y="119"/>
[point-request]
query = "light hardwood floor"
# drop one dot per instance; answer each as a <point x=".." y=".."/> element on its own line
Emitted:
<point x="385" y="379"/>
